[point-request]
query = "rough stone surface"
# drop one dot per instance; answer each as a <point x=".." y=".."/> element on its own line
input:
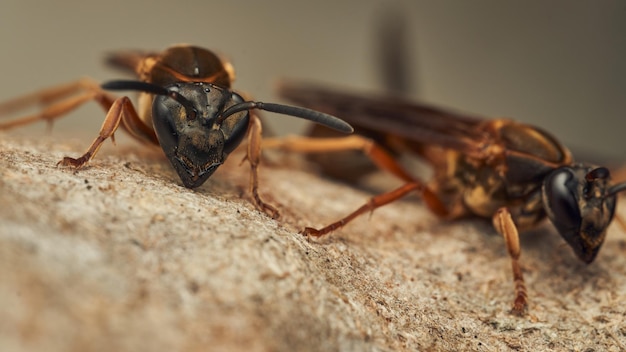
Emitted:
<point x="120" y="257"/>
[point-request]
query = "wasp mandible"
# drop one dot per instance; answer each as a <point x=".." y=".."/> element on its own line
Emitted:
<point x="512" y="173"/>
<point x="185" y="105"/>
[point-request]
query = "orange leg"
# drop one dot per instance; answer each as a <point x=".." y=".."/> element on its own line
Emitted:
<point x="619" y="176"/>
<point x="372" y="204"/>
<point x="504" y="224"/>
<point x="122" y="109"/>
<point x="253" y="156"/>
<point x="379" y="156"/>
<point x="58" y="101"/>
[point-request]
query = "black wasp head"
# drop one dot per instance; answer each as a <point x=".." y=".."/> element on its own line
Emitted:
<point x="581" y="205"/>
<point x="193" y="136"/>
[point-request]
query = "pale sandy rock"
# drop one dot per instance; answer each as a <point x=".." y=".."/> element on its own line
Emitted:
<point x="120" y="257"/>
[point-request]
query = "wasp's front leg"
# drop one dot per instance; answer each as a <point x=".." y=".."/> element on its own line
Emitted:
<point x="254" y="155"/>
<point x="121" y="110"/>
<point x="503" y="222"/>
<point x="56" y="102"/>
<point x="60" y="100"/>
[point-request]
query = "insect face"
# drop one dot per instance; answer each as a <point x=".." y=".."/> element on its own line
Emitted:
<point x="194" y="137"/>
<point x="580" y="204"/>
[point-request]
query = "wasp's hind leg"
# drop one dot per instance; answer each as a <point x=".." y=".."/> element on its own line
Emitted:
<point x="379" y="156"/>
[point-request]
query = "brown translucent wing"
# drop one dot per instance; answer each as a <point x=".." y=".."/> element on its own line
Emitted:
<point x="128" y="60"/>
<point x="418" y="123"/>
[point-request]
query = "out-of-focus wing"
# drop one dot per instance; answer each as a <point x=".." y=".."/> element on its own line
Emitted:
<point x="412" y="121"/>
<point x="128" y="60"/>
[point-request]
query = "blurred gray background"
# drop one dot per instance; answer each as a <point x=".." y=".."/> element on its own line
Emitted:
<point x="560" y="64"/>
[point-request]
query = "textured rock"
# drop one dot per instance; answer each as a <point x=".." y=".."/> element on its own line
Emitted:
<point x="120" y="257"/>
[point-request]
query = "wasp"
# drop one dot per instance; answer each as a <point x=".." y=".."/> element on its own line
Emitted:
<point x="185" y="105"/>
<point x="512" y="173"/>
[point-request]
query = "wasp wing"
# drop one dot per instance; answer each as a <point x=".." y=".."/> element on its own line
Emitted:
<point x="129" y="61"/>
<point x="415" y="122"/>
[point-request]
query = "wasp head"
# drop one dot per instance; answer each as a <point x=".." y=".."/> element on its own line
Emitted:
<point x="193" y="136"/>
<point x="580" y="203"/>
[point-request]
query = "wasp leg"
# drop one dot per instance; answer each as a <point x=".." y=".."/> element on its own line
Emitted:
<point x="371" y="205"/>
<point x="56" y="102"/>
<point x="619" y="176"/>
<point x="503" y="222"/>
<point x="377" y="154"/>
<point x="60" y="100"/>
<point x="374" y="152"/>
<point x="253" y="156"/>
<point x="380" y="200"/>
<point x="121" y="111"/>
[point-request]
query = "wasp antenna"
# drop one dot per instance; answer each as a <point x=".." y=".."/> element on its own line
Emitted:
<point x="153" y="89"/>
<point x="135" y="85"/>
<point x="616" y="189"/>
<point x="303" y="113"/>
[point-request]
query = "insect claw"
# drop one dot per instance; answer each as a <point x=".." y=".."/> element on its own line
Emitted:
<point x="268" y="209"/>
<point x="272" y="212"/>
<point x="310" y="232"/>
<point x="519" y="309"/>
<point x="520" y="305"/>
<point x="71" y="162"/>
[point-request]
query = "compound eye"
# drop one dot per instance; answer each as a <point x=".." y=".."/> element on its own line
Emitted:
<point x="562" y="204"/>
<point x="235" y="126"/>
<point x="597" y="173"/>
<point x="164" y="123"/>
